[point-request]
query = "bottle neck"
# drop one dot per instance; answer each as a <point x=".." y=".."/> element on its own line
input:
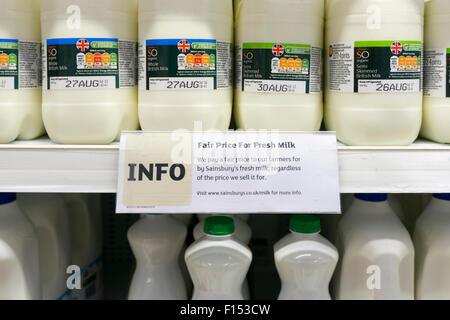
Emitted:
<point x="372" y="207"/>
<point x="218" y="238"/>
<point x="305" y="235"/>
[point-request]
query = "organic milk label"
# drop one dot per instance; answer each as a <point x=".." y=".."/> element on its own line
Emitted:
<point x="278" y="68"/>
<point x="436" y="68"/>
<point x="89" y="63"/>
<point x="20" y="64"/>
<point x="376" y="66"/>
<point x="185" y="64"/>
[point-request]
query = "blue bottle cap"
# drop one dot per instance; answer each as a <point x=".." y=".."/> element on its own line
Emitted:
<point x="6" y="198"/>
<point x="442" y="196"/>
<point x="372" y="197"/>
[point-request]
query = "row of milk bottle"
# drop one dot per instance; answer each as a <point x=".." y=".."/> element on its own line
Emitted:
<point x="50" y="247"/>
<point x="219" y="259"/>
<point x="377" y="258"/>
<point x="373" y="52"/>
<point x="392" y="247"/>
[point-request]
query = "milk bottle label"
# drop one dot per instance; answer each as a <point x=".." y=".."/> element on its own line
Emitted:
<point x="89" y="63"/>
<point x="20" y="64"/>
<point x="437" y="73"/>
<point x="376" y="66"/>
<point x="185" y="64"/>
<point x="278" y="68"/>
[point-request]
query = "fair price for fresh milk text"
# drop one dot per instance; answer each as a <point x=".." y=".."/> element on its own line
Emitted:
<point x="228" y="172"/>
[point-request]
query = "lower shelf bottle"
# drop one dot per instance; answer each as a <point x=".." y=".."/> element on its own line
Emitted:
<point x="49" y="215"/>
<point x="156" y="241"/>
<point x="19" y="252"/>
<point x="432" y="243"/>
<point x="305" y="261"/>
<point x="218" y="263"/>
<point x="377" y="254"/>
<point x="242" y="233"/>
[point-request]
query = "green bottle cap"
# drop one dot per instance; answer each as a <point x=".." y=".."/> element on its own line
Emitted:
<point x="304" y="223"/>
<point x="219" y="226"/>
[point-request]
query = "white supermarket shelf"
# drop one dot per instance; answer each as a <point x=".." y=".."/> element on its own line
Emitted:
<point x="42" y="166"/>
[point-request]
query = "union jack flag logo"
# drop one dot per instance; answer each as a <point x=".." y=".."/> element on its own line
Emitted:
<point x="396" y="47"/>
<point x="184" y="46"/>
<point x="278" y="50"/>
<point x="83" y="45"/>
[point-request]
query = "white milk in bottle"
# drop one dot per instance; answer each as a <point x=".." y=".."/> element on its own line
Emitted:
<point x="329" y="222"/>
<point x="19" y="252"/>
<point x="242" y="232"/>
<point x="87" y="244"/>
<point x="185" y="218"/>
<point x="374" y="70"/>
<point x="279" y="64"/>
<point x="156" y="241"/>
<point x="218" y="263"/>
<point x="413" y="205"/>
<point x="89" y="69"/>
<point x="432" y="242"/>
<point x="436" y="108"/>
<point x="20" y="71"/>
<point x="185" y="64"/>
<point x="305" y="261"/>
<point x="48" y="213"/>
<point x="396" y="206"/>
<point x="377" y="254"/>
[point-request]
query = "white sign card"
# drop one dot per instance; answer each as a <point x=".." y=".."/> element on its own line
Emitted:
<point x="228" y="172"/>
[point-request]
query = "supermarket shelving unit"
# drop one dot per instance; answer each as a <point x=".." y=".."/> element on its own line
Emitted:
<point x="42" y="166"/>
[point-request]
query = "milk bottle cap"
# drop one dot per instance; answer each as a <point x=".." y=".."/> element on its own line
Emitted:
<point x="219" y="226"/>
<point x="6" y="198"/>
<point x="442" y="196"/>
<point x="304" y="223"/>
<point x="372" y="197"/>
